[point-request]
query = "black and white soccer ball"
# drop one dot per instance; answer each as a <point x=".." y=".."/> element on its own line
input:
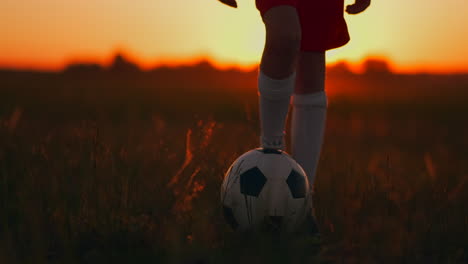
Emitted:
<point x="266" y="190"/>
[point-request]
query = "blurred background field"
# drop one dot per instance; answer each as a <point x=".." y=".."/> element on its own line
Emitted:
<point x="119" y="165"/>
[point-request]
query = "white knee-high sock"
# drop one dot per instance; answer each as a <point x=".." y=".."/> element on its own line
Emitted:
<point x="274" y="105"/>
<point x="308" y="125"/>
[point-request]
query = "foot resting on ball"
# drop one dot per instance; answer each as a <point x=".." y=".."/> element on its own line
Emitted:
<point x="275" y="143"/>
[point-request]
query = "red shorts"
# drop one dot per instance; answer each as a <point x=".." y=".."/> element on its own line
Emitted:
<point x="322" y="22"/>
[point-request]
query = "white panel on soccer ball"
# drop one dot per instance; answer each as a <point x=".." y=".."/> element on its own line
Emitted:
<point x="276" y="170"/>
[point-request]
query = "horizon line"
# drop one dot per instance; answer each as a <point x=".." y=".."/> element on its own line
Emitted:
<point x="146" y="65"/>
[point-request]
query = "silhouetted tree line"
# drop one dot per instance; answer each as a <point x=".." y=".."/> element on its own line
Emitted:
<point x="202" y="87"/>
<point x="122" y="65"/>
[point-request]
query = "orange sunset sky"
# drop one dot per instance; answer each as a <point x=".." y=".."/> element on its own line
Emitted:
<point x="416" y="35"/>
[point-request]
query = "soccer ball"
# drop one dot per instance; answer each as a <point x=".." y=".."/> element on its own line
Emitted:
<point x="266" y="189"/>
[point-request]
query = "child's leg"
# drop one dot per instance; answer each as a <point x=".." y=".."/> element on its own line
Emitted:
<point x="276" y="78"/>
<point x="309" y="112"/>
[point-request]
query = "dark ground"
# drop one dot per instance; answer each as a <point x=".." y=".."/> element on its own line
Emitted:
<point x="86" y="157"/>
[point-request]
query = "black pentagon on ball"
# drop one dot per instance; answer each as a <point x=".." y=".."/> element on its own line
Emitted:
<point x="297" y="184"/>
<point x="252" y="182"/>
<point x="229" y="216"/>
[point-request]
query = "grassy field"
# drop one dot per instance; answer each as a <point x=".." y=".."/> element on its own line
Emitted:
<point x="108" y="167"/>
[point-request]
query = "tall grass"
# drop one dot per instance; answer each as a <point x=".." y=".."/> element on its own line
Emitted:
<point x="116" y="181"/>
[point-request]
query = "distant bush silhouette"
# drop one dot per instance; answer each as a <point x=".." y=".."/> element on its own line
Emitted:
<point x="376" y="65"/>
<point x="338" y="69"/>
<point x="121" y="64"/>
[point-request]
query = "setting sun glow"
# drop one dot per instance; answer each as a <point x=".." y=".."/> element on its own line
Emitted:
<point x="427" y="35"/>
